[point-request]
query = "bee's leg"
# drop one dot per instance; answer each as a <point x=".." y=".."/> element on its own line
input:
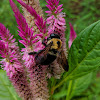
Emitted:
<point x="32" y="53"/>
<point x="67" y="66"/>
<point x="43" y="42"/>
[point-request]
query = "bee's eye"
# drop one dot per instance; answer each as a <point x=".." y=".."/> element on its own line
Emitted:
<point x="49" y="38"/>
<point x="54" y="36"/>
<point x="58" y="43"/>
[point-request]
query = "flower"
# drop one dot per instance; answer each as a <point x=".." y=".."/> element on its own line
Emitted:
<point x="54" y="6"/>
<point x="28" y="78"/>
<point x="32" y="42"/>
<point x="72" y="35"/>
<point x="41" y="24"/>
<point x="13" y="64"/>
<point x="7" y="37"/>
<point x="25" y="32"/>
<point x="56" y="24"/>
<point x="29" y="18"/>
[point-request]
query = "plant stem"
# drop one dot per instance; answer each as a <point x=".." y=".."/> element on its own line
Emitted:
<point x="58" y="85"/>
<point x="52" y="85"/>
<point x="68" y="97"/>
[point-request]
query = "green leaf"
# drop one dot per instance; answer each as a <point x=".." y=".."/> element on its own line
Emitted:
<point x="84" y="55"/>
<point x="7" y="91"/>
<point x="60" y="95"/>
<point x="79" y="85"/>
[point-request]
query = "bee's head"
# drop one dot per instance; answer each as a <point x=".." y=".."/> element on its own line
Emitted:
<point x="57" y="43"/>
<point x="53" y="36"/>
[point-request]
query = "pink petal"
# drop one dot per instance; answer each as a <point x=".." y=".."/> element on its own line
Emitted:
<point x="72" y="35"/>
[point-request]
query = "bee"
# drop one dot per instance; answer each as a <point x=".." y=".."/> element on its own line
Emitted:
<point x="52" y="51"/>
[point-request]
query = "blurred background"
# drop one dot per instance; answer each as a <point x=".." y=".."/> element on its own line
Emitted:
<point x="81" y="13"/>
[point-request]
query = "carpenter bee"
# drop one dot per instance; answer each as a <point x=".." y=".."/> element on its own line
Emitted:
<point x="53" y="50"/>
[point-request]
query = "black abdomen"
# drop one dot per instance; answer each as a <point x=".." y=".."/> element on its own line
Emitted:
<point x="49" y="60"/>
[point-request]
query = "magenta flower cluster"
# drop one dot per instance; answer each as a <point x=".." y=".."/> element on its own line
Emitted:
<point x="29" y="79"/>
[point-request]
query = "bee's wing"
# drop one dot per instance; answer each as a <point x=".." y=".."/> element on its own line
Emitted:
<point x="44" y="51"/>
<point x="42" y="55"/>
<point x="61" y="59"/>
<point x="47" y="48"/>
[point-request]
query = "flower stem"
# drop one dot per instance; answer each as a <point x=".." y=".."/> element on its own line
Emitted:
<point x="68" y="97"/>
<point x="58" y="85"/>
<point x="52" y="85"/>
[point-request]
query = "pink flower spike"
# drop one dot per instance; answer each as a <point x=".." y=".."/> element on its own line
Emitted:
<point x="37" y="17"/>
<point x="19" y="17"/>
<point x="26" y="33"/>
<point x="5" y="35"/>
<point x="56" y="2"/>
<point x="59" y="7"/>
<point x="2" y="30"/>
<point x="29" y="8"/>
<point x="3" y="49"/>
<point x="35" y="40"/>
<point x="72" y="35"/>
<point x="13" y="65"/>
<point x="60" y="10"/>
<point x="40" y="35"/>
<point x="23" y="42"/>
<point x="56" y="23"/>
<point x="49" y="7"/>
<point x="49" y="3"/>
<point x="49" y="12"/>
<point x="54" y="7"/>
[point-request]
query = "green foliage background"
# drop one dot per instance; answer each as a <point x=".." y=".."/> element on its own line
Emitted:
<point x="81" y="13"/>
